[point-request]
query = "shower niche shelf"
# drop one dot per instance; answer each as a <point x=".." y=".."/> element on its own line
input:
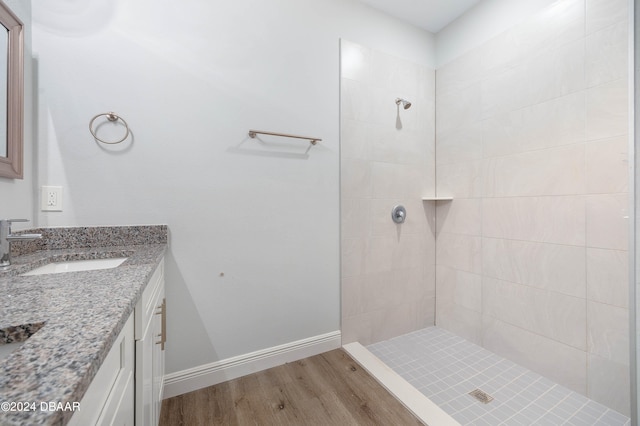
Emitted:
<point x="437" y="198"/>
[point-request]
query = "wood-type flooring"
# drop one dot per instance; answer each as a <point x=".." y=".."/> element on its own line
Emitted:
<point x="326" y="389"/>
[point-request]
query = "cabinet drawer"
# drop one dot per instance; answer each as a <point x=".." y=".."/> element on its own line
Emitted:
<point x="148" y="303"/>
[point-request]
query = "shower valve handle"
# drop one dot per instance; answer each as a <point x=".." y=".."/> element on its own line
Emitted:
<point x="399" y="214"/>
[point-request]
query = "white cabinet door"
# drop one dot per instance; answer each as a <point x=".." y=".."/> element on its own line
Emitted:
<point x="158" y="356"/>
<point x="150" y="351"/>
<point x="109" y="400"/>
<point x="144" y="379"/>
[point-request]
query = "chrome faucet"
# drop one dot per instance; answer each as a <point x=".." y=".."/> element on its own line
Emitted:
<point x="6" y="237"/>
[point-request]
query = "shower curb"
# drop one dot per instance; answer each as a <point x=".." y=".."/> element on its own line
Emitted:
<point x="421" y="406"/>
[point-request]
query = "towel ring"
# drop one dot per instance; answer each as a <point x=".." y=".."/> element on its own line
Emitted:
<point x="111" y="116"/>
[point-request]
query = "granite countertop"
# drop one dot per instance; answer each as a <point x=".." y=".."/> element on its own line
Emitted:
<point x="75" y="316"/>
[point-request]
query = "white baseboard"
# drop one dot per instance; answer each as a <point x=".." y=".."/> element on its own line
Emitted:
<point x="211" y="374"/>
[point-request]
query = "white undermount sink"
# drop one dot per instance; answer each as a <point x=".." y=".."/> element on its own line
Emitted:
<point x="76" y="265"/>
<point x="8" y="348"/>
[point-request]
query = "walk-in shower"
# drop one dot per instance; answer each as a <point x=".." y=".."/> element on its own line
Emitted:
<point x="525" y="271"/>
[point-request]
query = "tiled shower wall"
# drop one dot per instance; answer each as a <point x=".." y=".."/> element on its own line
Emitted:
<point x="387" y="158"/>
<point x="532" y="144"/>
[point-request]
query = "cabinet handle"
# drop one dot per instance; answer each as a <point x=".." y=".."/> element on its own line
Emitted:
<point x="163" y="332"/>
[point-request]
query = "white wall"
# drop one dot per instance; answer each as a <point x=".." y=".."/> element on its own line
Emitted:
<point x="17" y="195"/>
<point x="191" y="78"/>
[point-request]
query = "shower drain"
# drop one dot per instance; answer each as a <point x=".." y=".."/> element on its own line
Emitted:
<point x="481" y="396"/>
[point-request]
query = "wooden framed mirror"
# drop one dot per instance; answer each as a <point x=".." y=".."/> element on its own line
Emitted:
<point x="11" y="94"/>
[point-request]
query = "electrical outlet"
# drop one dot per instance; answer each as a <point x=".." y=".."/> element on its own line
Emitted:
<point x="51" y="198"/>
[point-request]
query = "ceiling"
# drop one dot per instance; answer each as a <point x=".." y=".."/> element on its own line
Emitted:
<point x="431" y="15"/>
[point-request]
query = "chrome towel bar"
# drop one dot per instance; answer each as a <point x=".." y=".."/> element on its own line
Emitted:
<point x="254" y="133"/>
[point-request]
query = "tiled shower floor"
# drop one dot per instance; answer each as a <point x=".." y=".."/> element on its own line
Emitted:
<point x="445" y="368"/>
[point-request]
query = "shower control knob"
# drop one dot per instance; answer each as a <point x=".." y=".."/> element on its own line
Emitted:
<point x="399" y="214"/>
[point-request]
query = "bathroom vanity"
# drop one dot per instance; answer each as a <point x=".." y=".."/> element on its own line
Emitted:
<point x="92" y="341"/>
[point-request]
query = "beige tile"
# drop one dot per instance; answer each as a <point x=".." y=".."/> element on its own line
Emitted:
<point x="354" y="141"/>
<point x="567" y="63"/>
<point x="455" y="287"/>
<point x="419" y="282"/>
<point x="356" y="218"/>
<point x="557" y="24"/>
<point x="380" y="291"/>
<point x="608" y="221"/>
<point x="425" y="311"/>
<point x="501" y="92"/>
<point x="607" y="54"/>
<point x="395" y="74"/>
<point x="410" y="251"/>
<point x="462" y="144"/>
<point x="458" y="108"/>
<point x="461" y="252"/>
<point x="460" y="180"/>
<point x="355" y="100"/>
<point x="353" y="256"/>
<point x="405" y="181"/>
<point x="504" y="91"/>
<point x="554" y="267"/>
<point x="355" y="179"/>
<point x="401" y="146"/>
<point x="608" y="384"/>
<point x="416" y="221"/>
<point x="559" y="220"/>
<point x="398" y="252"/>
<point x="460" y="73"/>
<point x="608" y="276"/>
<point x="602" y="13"/>
<point x="550" y="314"/>
<point x="561" y="363"/>
<point x="608" y="165"/>
<point x="393" y="321"/>
<point x="557" y="122"/>
<point x="607" y="110"/>
<point x="499" y="53"/>
<point x="608" y="332"/>
<point x="379" y="255"/>
<point x="358" y="328"/>
<point x="384" y="291"/>
<point x="460" y="216"/>
<point x="355" y="62"/>
<point x="556" y="171"/>
<point x="460" y="320"/>
<point x="385" y="112"/>
<point x="429" y="173"/>
<point x="429" y="209"/>
<point x="395" y="117"/>
<point x="352" y="296"/>
<point x="425" y="110"/>
<point x="427" y="83"/>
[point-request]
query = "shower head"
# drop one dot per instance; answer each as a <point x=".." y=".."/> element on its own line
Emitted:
<point x="405" y="103"/>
